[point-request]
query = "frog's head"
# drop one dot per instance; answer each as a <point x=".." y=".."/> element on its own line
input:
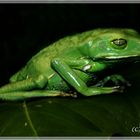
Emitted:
<point x="115" y="45"/>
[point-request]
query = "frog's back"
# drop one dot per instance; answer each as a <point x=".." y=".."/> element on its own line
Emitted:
<point x="66" y="43"/>
<point x="63" y="44"/>
<point x="41" y="61"/>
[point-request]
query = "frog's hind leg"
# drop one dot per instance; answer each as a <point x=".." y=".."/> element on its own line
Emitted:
<point x="22" y="95"/>
<point x="27" y="84"/>
<point x="21" y="90"/>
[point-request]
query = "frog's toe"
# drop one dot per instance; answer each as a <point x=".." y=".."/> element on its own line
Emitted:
<point x="118" y="89"/>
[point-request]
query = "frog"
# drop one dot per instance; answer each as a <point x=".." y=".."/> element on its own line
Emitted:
<point x="65" y="67"/>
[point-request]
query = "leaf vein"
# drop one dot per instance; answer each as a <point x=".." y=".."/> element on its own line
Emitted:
<point x="28" y="118"/>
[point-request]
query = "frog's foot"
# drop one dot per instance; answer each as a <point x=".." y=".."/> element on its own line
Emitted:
<point x="119" y="89"/>
<point x="116" y="79"/>
<point x="91" y="91"/>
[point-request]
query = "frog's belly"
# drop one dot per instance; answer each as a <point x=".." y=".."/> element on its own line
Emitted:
<point x="57" y="83"/>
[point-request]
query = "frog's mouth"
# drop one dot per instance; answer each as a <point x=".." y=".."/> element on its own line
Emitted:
<point x="122" y="57"/>
<point x="132" y="58"/>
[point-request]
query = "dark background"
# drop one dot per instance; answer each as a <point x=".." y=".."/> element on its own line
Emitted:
<point x="27" y="28"/>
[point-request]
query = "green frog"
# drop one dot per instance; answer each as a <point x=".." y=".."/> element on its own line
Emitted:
<point x="70" y="63"/>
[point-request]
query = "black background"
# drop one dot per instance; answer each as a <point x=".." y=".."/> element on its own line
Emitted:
<point x="27" y="28"/>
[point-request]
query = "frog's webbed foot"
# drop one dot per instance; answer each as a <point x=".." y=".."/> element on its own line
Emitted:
<point x="116" y="79"/>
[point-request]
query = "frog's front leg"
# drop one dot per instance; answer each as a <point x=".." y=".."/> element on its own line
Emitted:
<point x="116" y="79"/>
<point x="63" y="68"/>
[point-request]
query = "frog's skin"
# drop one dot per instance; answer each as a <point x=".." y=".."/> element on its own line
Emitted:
<point x="73" y="61"/>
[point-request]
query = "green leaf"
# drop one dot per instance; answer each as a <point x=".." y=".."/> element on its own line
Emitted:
<point x="105" y="115"/>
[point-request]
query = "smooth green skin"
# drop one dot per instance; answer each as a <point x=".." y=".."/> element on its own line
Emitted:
<point x="71" y="62"/>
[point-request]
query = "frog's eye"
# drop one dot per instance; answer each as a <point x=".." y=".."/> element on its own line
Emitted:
<point x="119" y="43"/>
